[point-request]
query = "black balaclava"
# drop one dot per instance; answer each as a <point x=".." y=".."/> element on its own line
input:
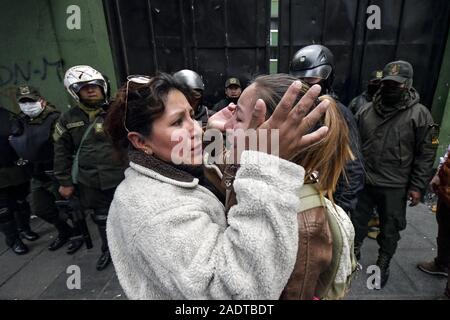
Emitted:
<point x="392" y="95"/>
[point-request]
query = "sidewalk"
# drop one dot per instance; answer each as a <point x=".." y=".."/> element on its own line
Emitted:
<point x="406" y="281"/>
<point x="41" y="274"/>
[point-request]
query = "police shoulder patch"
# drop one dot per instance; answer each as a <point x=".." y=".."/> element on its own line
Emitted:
<point x="75" y="124"/>
<point x="59" y="130"/>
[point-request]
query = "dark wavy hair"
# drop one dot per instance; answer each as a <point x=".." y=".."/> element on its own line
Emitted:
<point x="146" y="103"/>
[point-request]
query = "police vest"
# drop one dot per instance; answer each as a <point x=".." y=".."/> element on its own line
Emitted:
<point x="35" y="144"/>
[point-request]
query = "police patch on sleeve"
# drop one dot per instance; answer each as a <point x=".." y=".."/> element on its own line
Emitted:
<point x="75" y="124"/>
<point x="59" y="130"/>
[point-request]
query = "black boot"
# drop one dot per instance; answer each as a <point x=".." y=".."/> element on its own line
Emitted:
<point x="64" y="234"/>
<point x="383" y="263"/>
<point x="74" y="246"/>
<point x="22" y="217"/>
<point x="103" y="261"/>
<point x="12" y="238"/>
<point x="105" y="258"/>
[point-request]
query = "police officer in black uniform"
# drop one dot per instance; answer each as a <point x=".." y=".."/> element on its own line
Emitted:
<point x="84" y="156"/>
<point x="14" y="188"/>
<point x="195" y="83"/>
<point x="314" y="64"/>
<point x="233" y="91"/>
<point x="372" y="87"/>
<point x="33" y="142"/>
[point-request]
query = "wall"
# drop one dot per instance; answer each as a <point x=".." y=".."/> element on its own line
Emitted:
<point x="38" y="47"/>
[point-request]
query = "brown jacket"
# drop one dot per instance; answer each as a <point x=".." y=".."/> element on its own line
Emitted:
<point x="314" y="247"/>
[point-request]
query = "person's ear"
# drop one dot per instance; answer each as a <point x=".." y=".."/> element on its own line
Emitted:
<point x="139" y="142"/>
<point x="43" y="102"/>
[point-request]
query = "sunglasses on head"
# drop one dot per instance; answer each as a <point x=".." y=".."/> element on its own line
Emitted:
<point x="138" y="79"/>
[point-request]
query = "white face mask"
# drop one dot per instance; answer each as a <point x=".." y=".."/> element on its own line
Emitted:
<point x="31" y="109"/>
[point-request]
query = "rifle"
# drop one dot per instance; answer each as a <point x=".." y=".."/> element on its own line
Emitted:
<point x="72" y="208"/>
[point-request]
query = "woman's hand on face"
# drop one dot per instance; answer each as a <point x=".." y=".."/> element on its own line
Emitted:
<point x="219" y="119"/>
<point x="293" y="123"/>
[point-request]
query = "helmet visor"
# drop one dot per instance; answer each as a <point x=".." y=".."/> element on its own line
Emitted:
<point x="321" y="72"/>
<point x="76" y="87"/>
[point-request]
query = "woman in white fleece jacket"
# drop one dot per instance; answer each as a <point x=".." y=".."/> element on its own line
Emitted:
<point x="169" y="237"/>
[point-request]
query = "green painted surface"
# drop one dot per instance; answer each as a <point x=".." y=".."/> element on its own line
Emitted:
<point x="274" y="9"/>
<point x="444" y="136"/>
<point x="38" y="47"/>
<point x="273" y="66"/>
<point x="274" y="38"/>
<point x="441" y="104"/>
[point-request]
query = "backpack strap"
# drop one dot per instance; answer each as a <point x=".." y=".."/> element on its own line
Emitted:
<point x="75" y="168"/>
<point x="310" y="198"/>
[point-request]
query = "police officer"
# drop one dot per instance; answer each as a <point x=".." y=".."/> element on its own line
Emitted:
<point x="195" y="83"/>
<point x="32" y="140"/>
<point x="14" y="188"/>
<point x="233" y="91"/>
<point x="314" y="64"/>
<point x="367" y="95"/>
<point x="83" y="154"/>
<point x="399" y="144"/>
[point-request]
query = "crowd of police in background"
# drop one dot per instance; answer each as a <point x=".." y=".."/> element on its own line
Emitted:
<point x="48" y="156"/>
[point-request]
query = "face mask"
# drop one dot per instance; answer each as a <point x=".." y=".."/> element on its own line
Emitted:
<point x="372" y="88"/>
<point x="31" y="109"/>
<point x="391" y="95"/>
<point x="233" y="100"/>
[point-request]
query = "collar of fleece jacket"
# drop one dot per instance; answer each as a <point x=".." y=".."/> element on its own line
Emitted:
<point x="162" y="168"/>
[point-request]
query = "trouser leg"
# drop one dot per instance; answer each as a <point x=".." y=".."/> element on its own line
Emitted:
<point x="362" y="214"/>
<point x="7" y="223"/>
<point x="392" y="212"/>
<point x="443" y="238"/>
<point x="97" y="202"/>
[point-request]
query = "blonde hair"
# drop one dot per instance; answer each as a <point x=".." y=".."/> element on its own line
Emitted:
<point x="328" y="156"/>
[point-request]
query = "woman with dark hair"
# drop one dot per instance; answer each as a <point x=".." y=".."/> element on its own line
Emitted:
<point x="169" y="237"/>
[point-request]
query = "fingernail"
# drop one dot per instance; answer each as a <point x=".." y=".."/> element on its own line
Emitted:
<point x="316" y="88"/>
<point x="298" y="84"/>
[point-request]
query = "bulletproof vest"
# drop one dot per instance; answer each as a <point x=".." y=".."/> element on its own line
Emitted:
<point x="34" y="143"/>
<point x="8" y="155"/>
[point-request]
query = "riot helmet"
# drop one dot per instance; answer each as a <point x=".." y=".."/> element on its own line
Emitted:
<point x="314" y="61"/>
<point x="79" y="76"/>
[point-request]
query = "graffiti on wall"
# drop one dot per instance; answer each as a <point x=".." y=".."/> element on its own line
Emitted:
<point x="18" y="73"/>
<point x="31" y="70"/>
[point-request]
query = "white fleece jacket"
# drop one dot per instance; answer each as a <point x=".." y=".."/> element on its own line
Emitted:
<point x="170" y="239"/>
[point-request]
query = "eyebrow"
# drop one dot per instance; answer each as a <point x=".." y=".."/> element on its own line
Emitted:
<point x="179" y="113"/>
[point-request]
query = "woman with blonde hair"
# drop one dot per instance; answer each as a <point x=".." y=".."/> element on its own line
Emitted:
<point x="323" y="161"/>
